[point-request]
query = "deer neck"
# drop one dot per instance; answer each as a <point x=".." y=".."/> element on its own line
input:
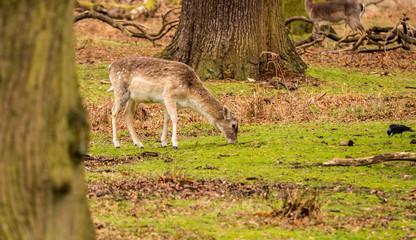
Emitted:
<point x="308" y="6"/>
<point x="204" y="103"/>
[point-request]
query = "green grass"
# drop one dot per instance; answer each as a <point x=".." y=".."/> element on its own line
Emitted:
<point x="271" y="152"/>
<point x="334" y="81"/>
<point x="352" y="205"/>
<point x="341" y="81"/>
<point x="91" y="78"/>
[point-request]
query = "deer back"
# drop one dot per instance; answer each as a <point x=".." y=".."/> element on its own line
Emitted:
<point x="150" y="80"/>
<point x="334" y="12"/>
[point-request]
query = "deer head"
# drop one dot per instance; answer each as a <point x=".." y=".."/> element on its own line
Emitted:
<point x="228" y="125"/>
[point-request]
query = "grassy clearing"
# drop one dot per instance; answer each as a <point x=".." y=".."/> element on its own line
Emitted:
<point x="335" y="81"/>
<point x="208" y="189"/>
<point x="91" y="78"/>
<point x="276" y="153"/>
<point x="356" y="202"/>
<point x="369" y="82"/>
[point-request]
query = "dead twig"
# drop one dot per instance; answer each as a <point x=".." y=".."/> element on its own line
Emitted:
<point x="138" y="30"/>
<point x="374" y="3"/>
<point x="84" y="45"/>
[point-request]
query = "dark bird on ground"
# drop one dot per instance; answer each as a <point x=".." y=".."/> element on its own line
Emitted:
<point x="396" y="129"/>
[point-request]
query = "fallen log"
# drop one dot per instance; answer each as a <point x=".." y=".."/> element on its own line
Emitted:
<point x="385" y="157"/>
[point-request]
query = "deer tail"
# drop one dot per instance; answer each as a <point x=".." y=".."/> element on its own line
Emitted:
<point x="110" y="89"/>
<point x="362" y="9"/>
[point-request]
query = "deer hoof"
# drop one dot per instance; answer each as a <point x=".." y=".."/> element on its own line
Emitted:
<point x="139" y="145"/>
<point x="175" y="147"/>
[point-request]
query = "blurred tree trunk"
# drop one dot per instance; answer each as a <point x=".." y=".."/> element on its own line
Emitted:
<point x="224" y="39"/>
<point x="43" y="128"/>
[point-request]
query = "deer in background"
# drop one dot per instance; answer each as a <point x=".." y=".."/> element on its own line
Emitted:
<point x="175" y="85"/>
<point x="339" y="12"/>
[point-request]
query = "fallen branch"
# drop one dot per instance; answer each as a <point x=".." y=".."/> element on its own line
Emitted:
<point x="400" y="36"/>
<point x="138" y="31"/>
<point x="298" y="18"/>
<point x="385" y="157"/>
<point x="374" y="3"/>
<point x="379" y="49"/>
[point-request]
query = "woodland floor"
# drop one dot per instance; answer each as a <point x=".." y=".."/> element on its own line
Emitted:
<point x="199" y="192"/>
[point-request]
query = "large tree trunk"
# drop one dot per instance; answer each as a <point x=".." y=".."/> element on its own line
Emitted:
<point x="224" y="39"/>
<point x="43" y="128"/>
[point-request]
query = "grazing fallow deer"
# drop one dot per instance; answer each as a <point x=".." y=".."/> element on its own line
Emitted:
<point x="339" y="12"/>
<point x="175" y="85"/>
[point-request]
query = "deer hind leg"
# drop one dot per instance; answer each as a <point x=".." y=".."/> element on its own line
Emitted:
<point x="170" y="105"/>
<point x="119" y="101"/>
<point x="345" y="29"/>
<point x="165" y="129"/>
<point x="327" y="29"/>
<point x="360" y="28"/>
<point x="128" y="115"/>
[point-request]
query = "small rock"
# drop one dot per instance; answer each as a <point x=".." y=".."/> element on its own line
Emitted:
<point x="346" y="143"/>
<point x="407" y="176"/>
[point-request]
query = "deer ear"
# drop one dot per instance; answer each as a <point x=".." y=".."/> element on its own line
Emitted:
<point x="227" y="113"/>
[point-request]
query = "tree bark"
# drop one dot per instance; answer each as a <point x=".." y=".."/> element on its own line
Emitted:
<point x="224" y="39"/>
<point x="43" y="128"/>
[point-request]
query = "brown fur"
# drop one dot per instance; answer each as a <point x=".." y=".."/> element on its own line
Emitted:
<point x="329" y="13"/>
<point x="174" y="84"/>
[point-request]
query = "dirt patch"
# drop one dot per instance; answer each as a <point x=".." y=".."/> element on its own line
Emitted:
<point x="91" y="160"/>
<point x="181" y="187"/>
<point x="390" y="60"/>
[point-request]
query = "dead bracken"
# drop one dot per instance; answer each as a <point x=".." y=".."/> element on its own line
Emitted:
<point x="180" y="187"/>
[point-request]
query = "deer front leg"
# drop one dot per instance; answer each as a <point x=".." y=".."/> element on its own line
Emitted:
<point x="114" y="114"/>
<point x="165" y="129"/>
<point x="129" y="121"/>
<point x="170" y="105"/>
